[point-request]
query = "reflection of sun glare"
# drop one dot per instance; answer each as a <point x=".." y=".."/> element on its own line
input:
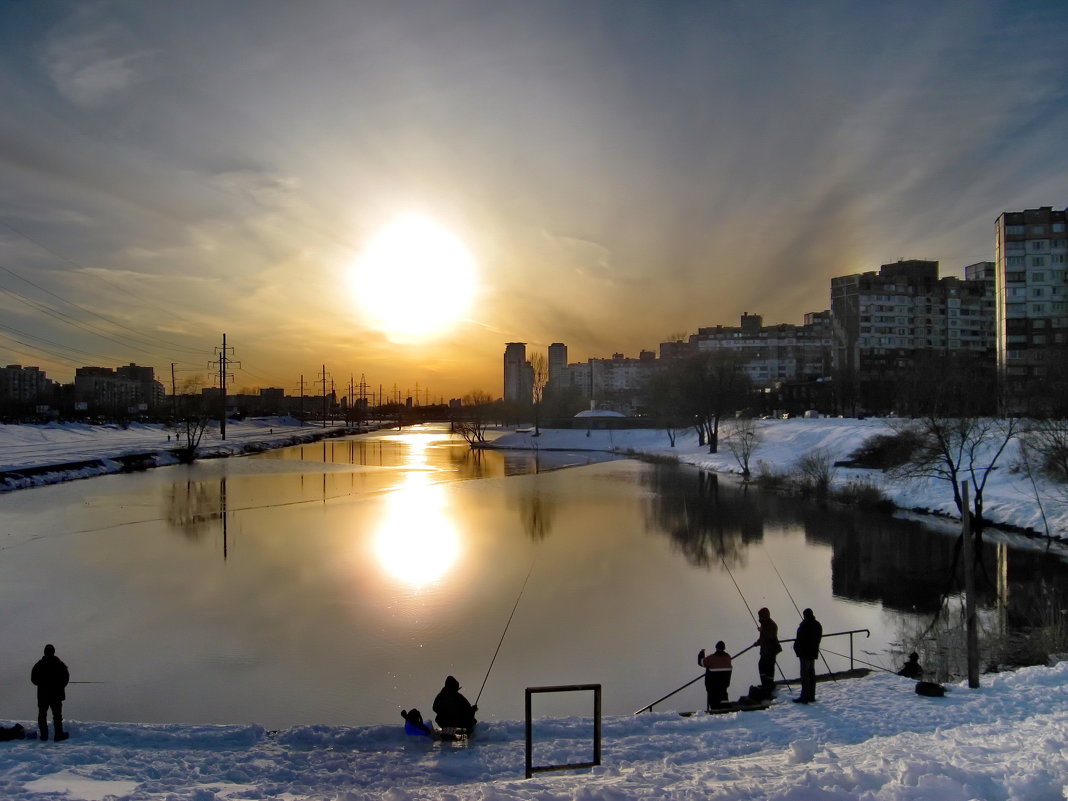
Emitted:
<point x="414" y="280"/>
<point x="417" y="542"/>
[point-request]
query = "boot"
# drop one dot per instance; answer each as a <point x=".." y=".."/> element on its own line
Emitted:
<point x="60" y="734"/>
<point x="42" y="725"/>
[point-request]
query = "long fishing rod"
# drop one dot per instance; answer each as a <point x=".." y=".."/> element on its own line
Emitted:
<point x="767" y="553"/>
<point x="748" y="609"/>
<point x="503" y="633"/>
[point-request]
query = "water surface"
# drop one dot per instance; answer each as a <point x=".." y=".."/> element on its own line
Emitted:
<point x="338" y="582"/>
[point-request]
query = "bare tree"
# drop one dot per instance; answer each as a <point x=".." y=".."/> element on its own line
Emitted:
<point x="953" y="449"/>
<point x="193" y="418"/>
<point x="472" y="420"/>
<point x="743" y="438"/>
<point x="540" y="371"/>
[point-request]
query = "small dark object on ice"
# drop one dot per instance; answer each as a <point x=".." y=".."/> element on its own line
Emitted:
<point x="930" y="689"/>
<point x="16" y="732"/>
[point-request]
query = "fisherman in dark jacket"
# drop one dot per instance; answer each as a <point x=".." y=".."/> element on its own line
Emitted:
<point x="768" y="640"/>
<point x="912" y="669"/>
<point x="50" y="676"/>
<point x="452" y="710"/>
<point x="807" y="648"/>
<point x="717" y="674"/>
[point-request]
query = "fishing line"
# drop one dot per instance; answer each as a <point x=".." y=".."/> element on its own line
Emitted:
<point x="505" y="632"/>
<point x="742" y="596"/>
<point x="767" y="553"/>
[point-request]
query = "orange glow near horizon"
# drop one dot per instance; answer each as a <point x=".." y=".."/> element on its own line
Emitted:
<point x="415" y="280"/>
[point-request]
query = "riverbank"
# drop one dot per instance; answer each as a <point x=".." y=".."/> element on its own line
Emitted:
<point x="1010" y="497"/>
<point x="872" y="738"/>
<point x="37" y="455"/>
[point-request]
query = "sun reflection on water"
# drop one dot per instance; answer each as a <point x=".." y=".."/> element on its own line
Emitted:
<point x="417" y="541"/>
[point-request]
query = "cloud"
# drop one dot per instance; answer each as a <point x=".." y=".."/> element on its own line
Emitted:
<point x="92" y="64"/>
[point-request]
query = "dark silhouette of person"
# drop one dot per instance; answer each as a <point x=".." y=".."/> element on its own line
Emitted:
<point x="807" y="648"/>
<point x="718" y="669"/>
<point x="768" y="640"/>
<point x="912" y="669"/>
<point x="50" y="676"/>
<point x="415" y="725"/>
<point x="452" y="710"/>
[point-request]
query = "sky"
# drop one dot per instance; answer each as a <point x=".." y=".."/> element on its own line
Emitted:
<point x="616" y="172"/>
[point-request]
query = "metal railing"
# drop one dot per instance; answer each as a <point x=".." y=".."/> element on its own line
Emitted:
<point x="851" y="632"/>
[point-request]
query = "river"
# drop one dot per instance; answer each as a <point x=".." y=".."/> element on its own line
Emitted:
<point x="338" y="582"/>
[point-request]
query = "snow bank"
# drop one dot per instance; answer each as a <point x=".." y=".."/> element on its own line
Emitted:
<point x="36" y="455"/>
<point x="1010" y="499"/>
<point x="872" y="739"/>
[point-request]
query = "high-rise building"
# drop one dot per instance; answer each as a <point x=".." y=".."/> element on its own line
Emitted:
<point x="884" y="322"/>
<point x="518" y="375"/>
<point x="557" y="367"/>
<point x="1030" y="252"/>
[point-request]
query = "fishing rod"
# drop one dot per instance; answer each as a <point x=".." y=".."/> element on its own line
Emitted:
<point x="748" y="609"/>
<point x="503" y="633"/>
<point x="789" y="594"/>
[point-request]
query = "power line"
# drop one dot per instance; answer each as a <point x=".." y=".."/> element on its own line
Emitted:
<point x="103" y="317"/>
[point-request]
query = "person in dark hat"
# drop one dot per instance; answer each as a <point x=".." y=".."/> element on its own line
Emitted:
<point x="768" y="642"/>
<point x="807" y="648"/>
<point x="912" y="669"/>
<point x="718" y="669"/>
<point x="50" y="676"/>
<point x="452" y="710"/>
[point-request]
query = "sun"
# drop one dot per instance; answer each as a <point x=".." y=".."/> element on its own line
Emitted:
<point x="414" y="281"/>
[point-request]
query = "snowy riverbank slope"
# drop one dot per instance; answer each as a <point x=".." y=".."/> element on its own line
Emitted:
<point x="89" y="450"/>
<point x="871" y="739"/>
<point x="1009" y="497"/>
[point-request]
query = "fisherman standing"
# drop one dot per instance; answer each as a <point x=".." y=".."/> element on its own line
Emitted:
<point x="807" y="648"/>
<point x="768" y="640"/>
<point x="50" y="676"/>
<point x="718" y="670"/>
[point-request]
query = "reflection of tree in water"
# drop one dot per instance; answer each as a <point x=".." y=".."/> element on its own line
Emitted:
<point x="536" y="510"/>
<point x="192" y="507"/>
<point x="706" y="522"/>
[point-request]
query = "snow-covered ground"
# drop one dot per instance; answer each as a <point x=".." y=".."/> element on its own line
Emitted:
<point x="97" y="449"/>
<point x="868" y="739"/>
<point x="1009" y="495"/>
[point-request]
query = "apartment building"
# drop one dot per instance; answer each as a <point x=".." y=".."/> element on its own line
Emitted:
<point x="773" y="354"/>
<point x="885" y="321"/>
<point x="1031" y="317"/>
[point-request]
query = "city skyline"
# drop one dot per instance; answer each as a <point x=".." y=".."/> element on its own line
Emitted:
<point x="615" y="173"/>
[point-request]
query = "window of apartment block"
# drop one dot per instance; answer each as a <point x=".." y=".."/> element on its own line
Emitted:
<point x="1039" y="309"/>
<point x="1015" y="246"/>
<point x="1039" y="277"/>
<point x="1058" y="227"/>
<point x="1015" y="261"/>
<point x="1039" y="244"/>
<point x="1037" y="229"/>
<point x="1020" y="276"/>
<point x="1038" y="261"/>
<point x="1057" y="258"/>
<point x="1014" y="229"/>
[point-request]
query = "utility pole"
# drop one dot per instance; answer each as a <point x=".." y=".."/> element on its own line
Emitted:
<point x="968" y="554"/>
<point x="223" y="362"/>
<point x="323" y="377"/>
<point x="174" y="397"/>
<point x="302" y="399"/>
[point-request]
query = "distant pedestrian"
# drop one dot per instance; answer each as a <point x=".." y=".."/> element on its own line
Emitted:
<point x="718" y="670"/>
<point x="768" y="640"/>
<point x="912" y="669"/>
<point x="452" y="710"/>
<point x="50" y="676"/>
<point x="807" y="648"/>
